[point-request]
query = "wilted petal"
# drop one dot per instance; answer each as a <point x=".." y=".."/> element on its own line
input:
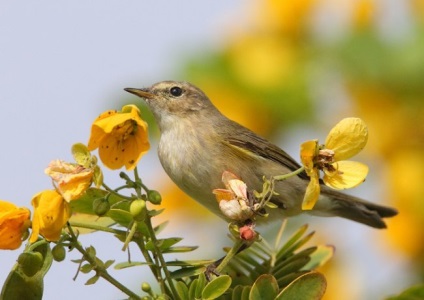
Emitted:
<point x="235" y="209"/>
<point x="348" y="174"/>
<point x="226" y="177"/>
<point x="72" y="180"/>
<point x="312" y="192"/>
<point x="239" y="188"/>
<point x="347" y="138"/>
<point x="222" y="194"/>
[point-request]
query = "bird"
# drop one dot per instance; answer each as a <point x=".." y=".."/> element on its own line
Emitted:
<point x="198" y="143"/>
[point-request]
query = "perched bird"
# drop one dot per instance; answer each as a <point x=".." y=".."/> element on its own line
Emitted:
<point x="198" y="143"/>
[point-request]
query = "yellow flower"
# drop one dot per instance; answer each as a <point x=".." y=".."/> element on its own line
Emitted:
<point x="233" y="201"/>
<point x="51" y="212"/>
<point x="72" y="180"/>
<point x="121" y="137"/>
<point x="14" y="221"/>
<point x="345" y="140"/>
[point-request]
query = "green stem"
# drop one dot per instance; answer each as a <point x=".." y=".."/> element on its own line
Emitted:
<point x="233" y="251"/>
<point x="130" y="235"/>
<point x="157" y="250"/>
<point x="159" y="255"/>
<point x="100" y="270"/>
<point x="285" y="176"/>
<point x="112" y="191"/>
<point x="97" y="227"/>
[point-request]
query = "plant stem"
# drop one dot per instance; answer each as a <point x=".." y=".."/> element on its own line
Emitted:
<point x="96" y="227"/>
<point x="233" y="251"/>
<point x="100" y="270"/>
<point x="285" y="176"/>
<point x="112" y="191"/>
<point x="159" y="255"/>
<point x="157" y="251"/>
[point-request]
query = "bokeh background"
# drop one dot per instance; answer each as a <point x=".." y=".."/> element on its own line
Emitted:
<point x="289" y="70"/>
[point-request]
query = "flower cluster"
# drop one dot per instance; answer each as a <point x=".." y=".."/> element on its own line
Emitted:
<point x="122" y="139"/>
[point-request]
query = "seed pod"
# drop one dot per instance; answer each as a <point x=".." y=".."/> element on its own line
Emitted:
<point x="30" y="262"/>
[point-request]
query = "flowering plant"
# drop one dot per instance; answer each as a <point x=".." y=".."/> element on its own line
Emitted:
<point x="121" y="139"/>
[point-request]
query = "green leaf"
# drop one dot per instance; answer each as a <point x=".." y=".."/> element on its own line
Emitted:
<point x="201" y="283"/>
<point x="163" y="244"/>
<point x="292" y="266"/>
<point x="124" y="265"/>
<point x="92" y="280"/>
<point x="158" y="229"/>
<point x="320" y="257"/>
<point x="182" y="290"/>
<point x="81" y="155"/>
<point x="120" y="216"/>
<point x="192" y="289"/>
<point x="87" y="268"/>
<point x="237" y="293"/>
<point x="246" y="293"/>
<point x="180" y="249"/>
<point x="309" y="286"/>
<point x="187" y="272"/>
<point x="287" y="279"/>
<point x="154" y="212"/>
<point x="108" y="263"/>
<point x="412" y="293"/>
<point x="188" y="263"/>
<point x="295" y="242"/>
<point x="91" y="251"/>
<point x="216" y="287"/>
<point x="264" y="288"/>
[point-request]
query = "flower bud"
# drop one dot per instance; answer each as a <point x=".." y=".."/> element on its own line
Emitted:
<point x="59" y="253"/>
<point x="145" y="287"/>
<point x="101" y="206"/>
<point x="247" y="233"/>
<point x="138" y="210"/>
<point x="30" y="262"/>
<point x="154" y="197"/>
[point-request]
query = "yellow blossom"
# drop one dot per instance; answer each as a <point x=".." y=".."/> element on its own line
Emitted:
<point x="345" y="140"/>
<point x="233" y="201"/>
<point x="14" y="221"/>
<point x="51" y="212"/>
<point x="121" y="137"/>
<point x="72" y="180"/>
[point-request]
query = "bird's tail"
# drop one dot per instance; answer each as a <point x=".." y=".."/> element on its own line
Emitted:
<point x="357" y="209"/>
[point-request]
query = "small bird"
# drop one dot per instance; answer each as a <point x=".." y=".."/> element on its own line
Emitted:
<point x="198" y="143"/>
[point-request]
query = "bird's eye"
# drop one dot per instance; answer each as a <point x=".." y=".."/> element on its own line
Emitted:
<point x="176" y="91"/>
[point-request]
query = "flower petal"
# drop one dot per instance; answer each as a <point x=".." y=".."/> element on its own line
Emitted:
<point x="122" y="138"/>
<point x="13" y="223"/>
<point x="239" y="188"/>
<point x="348" y="174"/>
<point x="347" y="138"/>
<point x="222" y="194"/>
<point x="312" y="192"/>
<point x="51" y="212"/>
<point x="308" y="151"/>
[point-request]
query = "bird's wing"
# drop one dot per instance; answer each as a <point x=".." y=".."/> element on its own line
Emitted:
<point x="247" y="141"/>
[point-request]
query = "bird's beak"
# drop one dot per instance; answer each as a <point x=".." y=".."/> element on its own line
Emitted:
<point x="143" y="93"/>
